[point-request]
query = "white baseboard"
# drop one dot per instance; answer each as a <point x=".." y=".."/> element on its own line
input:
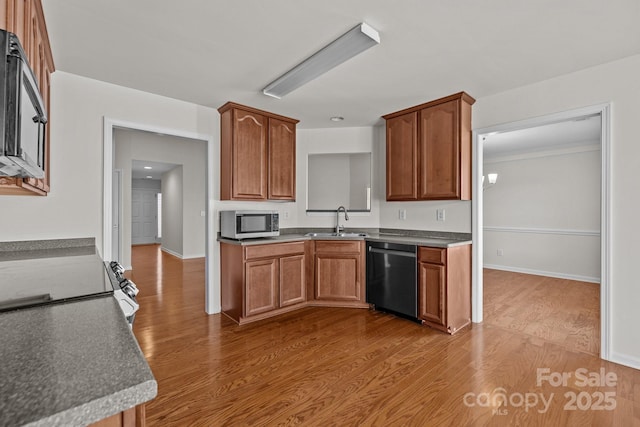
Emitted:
<point x="170" y="252"/>
<point x="193" y="256"/>
<point x="625" y="359"/>
<point x="544" y="273"/>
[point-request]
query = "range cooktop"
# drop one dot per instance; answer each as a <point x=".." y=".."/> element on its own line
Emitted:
<point x="51" y="277"/>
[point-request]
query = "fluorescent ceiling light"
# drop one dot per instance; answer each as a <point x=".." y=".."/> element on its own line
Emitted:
<point x="358" y="39"/>
<point x="148" y="167"/>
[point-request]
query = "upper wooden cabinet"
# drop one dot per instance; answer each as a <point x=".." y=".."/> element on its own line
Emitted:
<point x="402" y="157"/>
<point x="25" y="19"/>
<point x="429" y="150"/>
<point x="282" y="160"/>
<point x="257" y="154"/>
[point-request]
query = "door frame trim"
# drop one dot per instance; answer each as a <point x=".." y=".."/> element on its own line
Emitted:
<point x="212" y="299"/>
<point x="604" y="110"/>
<point x="119" y="173"/>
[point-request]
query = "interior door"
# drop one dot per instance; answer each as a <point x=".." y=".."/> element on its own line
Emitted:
<point x="144" y="216"/>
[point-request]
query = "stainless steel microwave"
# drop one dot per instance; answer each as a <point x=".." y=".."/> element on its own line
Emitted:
<point x="22" y="113"/>
<point x="249" y="224"/>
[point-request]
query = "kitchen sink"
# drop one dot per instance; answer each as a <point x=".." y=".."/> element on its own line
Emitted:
<point x="343" y="234"/>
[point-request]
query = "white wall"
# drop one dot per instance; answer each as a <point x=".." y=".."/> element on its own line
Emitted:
<point x="324" y="178"/>
<point x="616" y="82"/>
<point x="544" y="214"/>
<point x="146" y="184"/>
<point x="173" y="237"/>
<point x="339" y="140"/>
<point x="74" y="206"/>
<point x="360" y="173"/>
<point x="137" y="145"/>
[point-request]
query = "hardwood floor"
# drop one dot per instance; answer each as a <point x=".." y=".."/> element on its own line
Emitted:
<point x="346" y="367"/>
<point x="565" y="312"/>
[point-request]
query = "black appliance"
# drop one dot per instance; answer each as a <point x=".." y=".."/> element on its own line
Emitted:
<point x="58" y="278"/>
<point x="23" y="116"/>
<point x="392" y="278"/>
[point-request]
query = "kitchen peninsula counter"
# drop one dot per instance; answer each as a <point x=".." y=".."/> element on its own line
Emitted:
<point x="70" y="364"/>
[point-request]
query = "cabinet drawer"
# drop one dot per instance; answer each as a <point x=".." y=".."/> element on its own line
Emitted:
<point x="273" y="250"/>
<point x="432" y="255"/>
<point x="333" y="246"/>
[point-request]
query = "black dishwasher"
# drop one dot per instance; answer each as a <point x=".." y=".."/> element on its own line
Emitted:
<point x="391" y="278"/>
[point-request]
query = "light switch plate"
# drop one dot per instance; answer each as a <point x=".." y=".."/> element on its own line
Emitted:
<point x="440" y="215"/>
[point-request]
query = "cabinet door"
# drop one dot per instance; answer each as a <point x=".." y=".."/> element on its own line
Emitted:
<point x="292" y="280"/>
<point x="249" y="156"/>
<point x="431" y="292"/>
<point x="282" y="160"/>
<point x="261" y="286"/>
<point x="439" y="146"/>
<point x="402" y="157"/>
<point x="338" y="277"/>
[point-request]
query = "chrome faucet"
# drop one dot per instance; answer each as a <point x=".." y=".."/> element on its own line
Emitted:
<point x="340" y="228"/>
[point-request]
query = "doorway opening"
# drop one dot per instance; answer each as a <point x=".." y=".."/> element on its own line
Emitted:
<point x="147" y="180"/>
<point x="204" y="213"/>
<point x="494" y="237"/>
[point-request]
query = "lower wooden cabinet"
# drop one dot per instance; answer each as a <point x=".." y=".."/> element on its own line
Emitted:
<point x="292" y="280"/>
<point x="444" y="287"/>
<point x="340" y="273"/>
<point x="134" y="417"/>
<point x="261" y="286"/>
<point x="260" y="281"/>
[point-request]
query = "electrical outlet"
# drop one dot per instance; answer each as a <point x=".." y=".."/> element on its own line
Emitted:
<point x="202" y="213"/>
<point x="440" y="214"/>
<point x="285" y="214"/>
<point x="500" y="252"/>
<point x="402" y="214"/>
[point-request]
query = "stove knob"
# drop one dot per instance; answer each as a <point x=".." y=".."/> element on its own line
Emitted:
<point x="116" y="267"/>
<point x="129" y="288"/>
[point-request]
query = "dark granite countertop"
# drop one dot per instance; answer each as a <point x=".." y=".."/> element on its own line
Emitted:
<point x="34" y="249"/>
<point x="413" y="237"/>
<point x="70" y="364"/>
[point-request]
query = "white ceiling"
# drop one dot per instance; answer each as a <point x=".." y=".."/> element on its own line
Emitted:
<point x="212" y="51"/>
<point x="138" y="170"/>
<point x="571" y="133"/>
